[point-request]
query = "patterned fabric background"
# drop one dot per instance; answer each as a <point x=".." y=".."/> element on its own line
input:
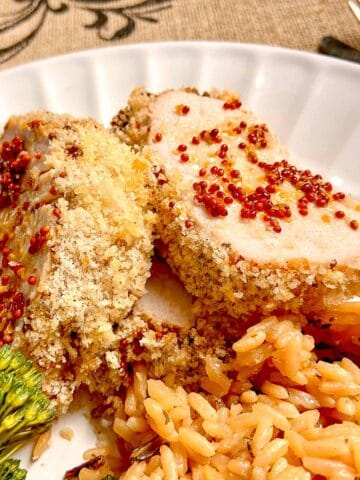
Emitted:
<point x="32" y="29"/>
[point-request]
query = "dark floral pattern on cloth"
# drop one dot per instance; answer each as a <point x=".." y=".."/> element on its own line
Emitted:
<point x="111" y="19"/>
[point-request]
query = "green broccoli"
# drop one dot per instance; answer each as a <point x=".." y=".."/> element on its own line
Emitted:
<point x="25" y="412"/>
<point x="10" y="470"/>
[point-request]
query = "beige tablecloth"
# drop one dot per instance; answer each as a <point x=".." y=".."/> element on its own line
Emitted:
<point x="33" y="29"/>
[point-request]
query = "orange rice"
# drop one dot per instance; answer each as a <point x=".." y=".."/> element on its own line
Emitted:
<point x="274" y="411"/>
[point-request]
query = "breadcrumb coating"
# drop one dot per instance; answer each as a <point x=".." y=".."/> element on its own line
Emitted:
<point x="96" y="259"/>
<point x="214" y="271"/>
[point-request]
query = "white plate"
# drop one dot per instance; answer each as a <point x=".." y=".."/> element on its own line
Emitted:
<point x="312" y="102"/>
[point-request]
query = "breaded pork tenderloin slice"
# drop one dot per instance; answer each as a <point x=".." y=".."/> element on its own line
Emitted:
<point x="243" y="227"/>
<point x="75" y="241"/>
<point x="168" y="335"/>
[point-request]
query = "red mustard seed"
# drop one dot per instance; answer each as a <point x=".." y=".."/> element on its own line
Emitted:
<point x="56" y="212"/>
<point x="23" y="160"/>
<point x="235" y="104"/>
<point x="328" y="187"/>
<point x="158" y="137"/>
<point x="310" y="196"/>
<point x="252" y="157"/>
<point x="214" y="188"/>
<point x="339" y="196"/>
<point x="184" y="157"/>
<point x="45" y="230"/>
<point x="270" y="188"/>
<point x="17" y="314"/>
<point x="223" y="211"/>
<point x="259" y="206"/>
<point x="31" y="280"/>
<point x="195" y="141"/>
<point x="182" y="148"/>
<point x="235" y="174"/>
<point x="339" y="214"/>
<point x="35" y="123"/>
<point x="321" y="202"/>
<point x="354" y="224"/>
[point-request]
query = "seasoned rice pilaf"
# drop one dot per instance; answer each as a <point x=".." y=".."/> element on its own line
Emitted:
<point x="273" y="412"/>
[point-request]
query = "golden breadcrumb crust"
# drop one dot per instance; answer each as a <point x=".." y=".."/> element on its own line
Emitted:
<point x="212" y="271"/>
<point x="97" y="258"/>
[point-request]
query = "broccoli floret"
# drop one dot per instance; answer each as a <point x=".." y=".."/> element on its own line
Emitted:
<point x="25" y="412"/>
<point x="10" y="470"/>
<point x="16" y="363"/>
